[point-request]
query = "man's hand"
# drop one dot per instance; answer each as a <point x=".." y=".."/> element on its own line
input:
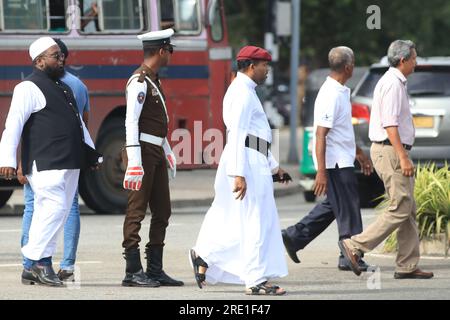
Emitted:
<point x="172" y="162"/>
<point x="281" y="173"/>
<point x="407" y="166"/>
<point x="320" y="185"/>
<point x="22" y="179"/>
<point x="133" y="178"/>
<point x="364" y="162"/>
<point x="240" y="186"/>
<point x="7" y="172"/>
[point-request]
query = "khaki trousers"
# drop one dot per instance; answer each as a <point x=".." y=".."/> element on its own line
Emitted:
<point x="400" y="213"/>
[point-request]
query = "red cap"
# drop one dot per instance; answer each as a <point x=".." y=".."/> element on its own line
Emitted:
<point x="253" y="53"/>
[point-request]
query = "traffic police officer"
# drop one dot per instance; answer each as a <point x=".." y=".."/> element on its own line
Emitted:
<point x="147" y="155"/>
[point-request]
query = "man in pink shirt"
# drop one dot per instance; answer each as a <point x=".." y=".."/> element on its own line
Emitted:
<point x="392" y="132"/>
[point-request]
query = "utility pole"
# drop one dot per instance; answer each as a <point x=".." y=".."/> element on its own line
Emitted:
<point x="295" y="56"/>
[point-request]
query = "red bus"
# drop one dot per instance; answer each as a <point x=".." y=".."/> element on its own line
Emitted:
<point x="104" y="51"/>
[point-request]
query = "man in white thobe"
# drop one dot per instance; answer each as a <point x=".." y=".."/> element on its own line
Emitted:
<point x="44" y="115"/>
<point x="240" y="241"/>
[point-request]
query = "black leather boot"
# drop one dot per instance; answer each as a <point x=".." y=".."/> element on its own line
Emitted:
<point x="154" y="256"/>
<point x="134" y="275"/>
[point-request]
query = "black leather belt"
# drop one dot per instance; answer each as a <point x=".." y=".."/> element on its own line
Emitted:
<point x="258" y="144"/>
<point x="388" y="142"/>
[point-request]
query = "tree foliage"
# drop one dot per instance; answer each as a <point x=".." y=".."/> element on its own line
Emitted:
<point x="329" y="23"/>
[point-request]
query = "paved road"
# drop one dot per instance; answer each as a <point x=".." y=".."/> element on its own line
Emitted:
<point x="101" y="267"/>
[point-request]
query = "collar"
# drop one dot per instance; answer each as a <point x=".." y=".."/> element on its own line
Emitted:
<point x="337" y="84"/>
<point x="246" y="79"/>
<point x="398" y="74"/>
<point x="153" y="76"/>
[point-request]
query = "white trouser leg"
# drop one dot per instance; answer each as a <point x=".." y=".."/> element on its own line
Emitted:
<point x="53" y="195"/>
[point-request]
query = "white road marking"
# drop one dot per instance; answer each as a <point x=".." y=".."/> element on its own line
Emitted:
<point x="20" y="265"/>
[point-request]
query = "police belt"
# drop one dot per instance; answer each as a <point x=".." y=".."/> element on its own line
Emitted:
<point x="149" y="138"/>
<point x="388" y="143"/>
<point x="258" y="144"/>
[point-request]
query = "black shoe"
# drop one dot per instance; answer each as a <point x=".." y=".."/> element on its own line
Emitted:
<point x="165" y="280"/>
<point x="292" y="253"/>
<point x="28" y="278"/>
<point x="46" y="275"/>
<point x="344" y="266"/>
<point x="66" y="275"/>
<point x="139" y="279"/>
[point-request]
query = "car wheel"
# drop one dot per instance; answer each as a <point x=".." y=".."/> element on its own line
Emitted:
<point x="370" y="190"/>
<point x="4" y="197"/>
<point x="309" y="196"/>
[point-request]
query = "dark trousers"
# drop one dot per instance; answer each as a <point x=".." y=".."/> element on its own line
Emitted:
<point x="341" y="203"/>
<point x="154" y="193"/>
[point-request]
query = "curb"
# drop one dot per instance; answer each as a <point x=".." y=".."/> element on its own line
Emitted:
<point x="17" y="210"/>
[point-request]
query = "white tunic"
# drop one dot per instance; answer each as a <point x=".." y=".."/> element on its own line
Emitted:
<point x="241" y="239"/>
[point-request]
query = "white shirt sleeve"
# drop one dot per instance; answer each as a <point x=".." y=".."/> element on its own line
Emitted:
<point x="135" y="92"/>
<point x="241" y="111"/>
<point x="87" y="136"/>
<point x="273" y="163"/>
<point x="326" y="111"/>
<point x="27" y="99"/>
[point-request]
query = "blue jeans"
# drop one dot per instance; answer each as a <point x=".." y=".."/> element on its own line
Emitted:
<point x="71" y="231"/>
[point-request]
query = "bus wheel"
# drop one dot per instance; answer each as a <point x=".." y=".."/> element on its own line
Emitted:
<point x="102" y="189"/>
<point x="4" y="197"/>
<point x="309" y="196"/>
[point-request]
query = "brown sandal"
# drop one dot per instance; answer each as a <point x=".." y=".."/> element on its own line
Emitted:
<point x="264" y="289"/>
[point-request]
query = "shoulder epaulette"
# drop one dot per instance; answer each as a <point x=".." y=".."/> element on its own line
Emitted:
<point x="142" y="76"/>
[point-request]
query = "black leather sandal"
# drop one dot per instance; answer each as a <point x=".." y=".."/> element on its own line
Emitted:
<point x="263" y="289"/>
<point x="196" y="263"/>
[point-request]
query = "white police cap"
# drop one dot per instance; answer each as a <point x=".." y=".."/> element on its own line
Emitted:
<point x="156" y="38"/>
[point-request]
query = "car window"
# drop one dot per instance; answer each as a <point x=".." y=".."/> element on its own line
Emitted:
<point x="367" y="87"/>
<point x="425" y="81"/>
<point x="435" y="82"/>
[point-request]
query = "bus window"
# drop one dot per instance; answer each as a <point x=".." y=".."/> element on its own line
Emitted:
<point x="182" y="15"/>
<point x="215" y="21"/>
<point x="187" y="16"/>
<point x="89" y="16"/>
<point x="167" y="19"/>
<point x="120" y="15"/>
<point x="57" y="15"/>
<point x="24" y="15"/>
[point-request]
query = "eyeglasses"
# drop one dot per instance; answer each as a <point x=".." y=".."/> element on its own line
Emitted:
<point x="57" y="56"/>
<point x="169" y="48"/>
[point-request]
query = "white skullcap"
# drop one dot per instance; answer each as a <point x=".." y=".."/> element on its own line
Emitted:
<point x="40" y="45"/>
<point x="161" y="37"/>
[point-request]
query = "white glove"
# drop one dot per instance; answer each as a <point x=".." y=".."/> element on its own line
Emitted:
<point x="135" y="171"/>
<point x="133" y="178"/>
<point x="170" y="158"/>
<point x="172" y="162"/>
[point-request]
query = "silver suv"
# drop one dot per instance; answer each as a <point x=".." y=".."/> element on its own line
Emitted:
<point x="429" y="95"/>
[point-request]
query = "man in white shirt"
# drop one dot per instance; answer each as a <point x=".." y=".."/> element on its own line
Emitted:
<point x="239" y="241"/>
<point x="44" y="115"/>
<point x="392" y="132"/>
<point x="334" y="156"/>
